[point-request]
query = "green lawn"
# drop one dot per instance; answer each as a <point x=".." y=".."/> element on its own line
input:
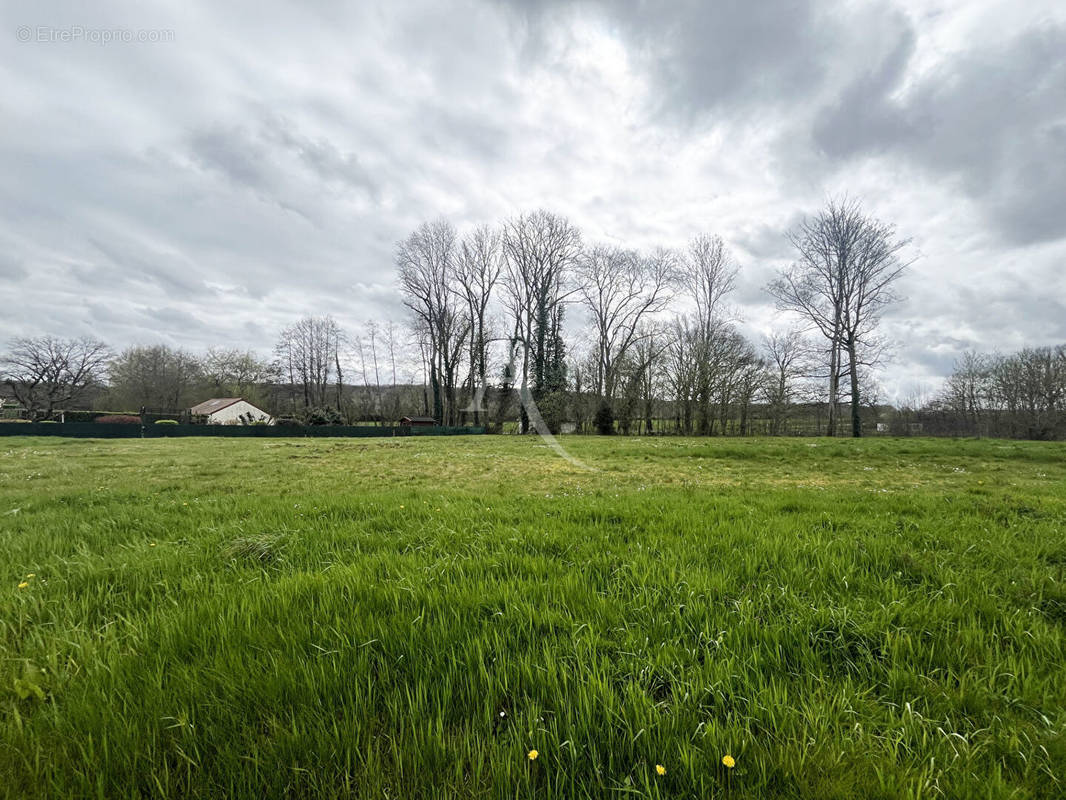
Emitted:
<point x="405" y="618"/>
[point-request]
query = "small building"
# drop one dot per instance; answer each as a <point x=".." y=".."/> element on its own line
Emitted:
<point x="229" y="411"/>
<point x="418" y="422"/>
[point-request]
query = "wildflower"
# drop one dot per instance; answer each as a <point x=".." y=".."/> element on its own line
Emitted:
<point x="660" y="769"/>
<point x="23" y="585"/>
<point x="533" y="755"/>
<point x="32" y="575"/>
<point x="151" y="544"/>
<point x="729" y="761"/>
<point x="401" y="506"/>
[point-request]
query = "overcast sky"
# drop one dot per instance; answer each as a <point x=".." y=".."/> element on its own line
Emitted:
<point x="260" y="162"/>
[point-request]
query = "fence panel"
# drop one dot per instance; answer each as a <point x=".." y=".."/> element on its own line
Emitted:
<point x="100" y="430"/>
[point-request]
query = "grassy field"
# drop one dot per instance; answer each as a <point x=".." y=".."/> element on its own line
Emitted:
<point x="410" y="618"/>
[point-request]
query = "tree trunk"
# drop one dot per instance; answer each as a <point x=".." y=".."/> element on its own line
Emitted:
<point x="834" y="387"/>
<point x="853" y="373"/>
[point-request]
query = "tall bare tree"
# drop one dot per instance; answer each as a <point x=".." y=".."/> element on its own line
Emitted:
<point x="682" y="357"/>
<point x="45" y="373"/>
<point x="309" y="356"/>
<point x="426" y="260"/>
<point x="709" y="273"/>
<point x="622" y="290"/>
<point x="540" y="250"/>
<point x="474" y="275"/>
<point x="840" y="284"/>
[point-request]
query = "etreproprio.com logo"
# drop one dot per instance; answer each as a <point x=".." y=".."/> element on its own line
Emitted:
<point x="48" y="34"/>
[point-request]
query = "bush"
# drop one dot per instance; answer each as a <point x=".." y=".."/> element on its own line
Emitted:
<point x="327" y="415"/>
<point x="83" y="416"/>
<point x="604" y="420"/>
<point x="166" y="422"/>
<point x="119" y="419"/>
<point x="552" y="409"/>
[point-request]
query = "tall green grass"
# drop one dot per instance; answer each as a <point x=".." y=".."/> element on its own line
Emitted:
<point x="410" y="618"/>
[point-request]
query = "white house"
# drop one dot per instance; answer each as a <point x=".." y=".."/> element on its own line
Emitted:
<point x="230" y="411"/>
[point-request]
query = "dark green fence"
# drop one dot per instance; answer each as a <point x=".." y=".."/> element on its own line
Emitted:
<point x="97" y="430"/>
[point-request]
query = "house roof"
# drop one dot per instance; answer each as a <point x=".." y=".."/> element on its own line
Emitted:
<point x="420" y="419"/>
<point x="208" y="407"/>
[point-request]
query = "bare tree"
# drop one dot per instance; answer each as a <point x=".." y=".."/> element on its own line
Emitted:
<point x="1027" y="391"/>
<point x="45" y="374"/>
<point x="392" y="346"/>
<point x="647" y="357"/>
<point x="540" y="250"/>
<point x="475" y="273"/>
<point x="240" y="373"/>
<point x="309" y="355"/>
<point x="787" y="355"/>
<point x="841" y="284"/>
<point x="709" y="272"/>
<point x="621" y="290"/>
<point x="682" y="356"/>
<point x="426" y="260"/>
<point x="155" y="376"/>
<point x="968" y="390"/>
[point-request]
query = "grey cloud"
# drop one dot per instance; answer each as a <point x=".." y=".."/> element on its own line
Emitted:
<point x="321" y="157"/>
<point x="768" y="240"/>
<point x="704" y="56"/>
<point x="863" y="119"/>
<point x="233" y="153"/>
<point x="137" y="263"/>
<point x="171" y="318"/>
<point x="11" y="270"/>
<point x="992" y="119"/>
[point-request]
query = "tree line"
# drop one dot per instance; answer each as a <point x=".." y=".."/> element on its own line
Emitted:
<point x="1019" y="395"/>
<point x="303" y="380"/>
<point x="661" y="348"/>
<point x="602" y="337"/>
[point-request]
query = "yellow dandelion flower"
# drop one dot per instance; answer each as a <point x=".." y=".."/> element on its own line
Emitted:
<point x="401" y="506"/>
<point x="23" y="585"/>
<point x="32" y="575"/>
<point x="533" y="755"/>
<point x="660" y="769"/>
<point x="151" y="544"/>
<point x="729" y="761"/>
